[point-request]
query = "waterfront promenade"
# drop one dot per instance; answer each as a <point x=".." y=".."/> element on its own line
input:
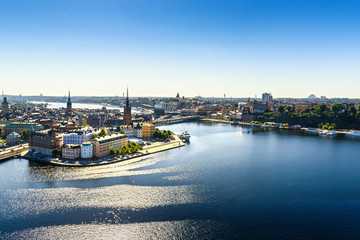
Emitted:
<point x="147" y="150"/>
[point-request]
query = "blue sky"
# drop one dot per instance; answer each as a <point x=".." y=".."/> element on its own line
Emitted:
<point x="291" y="48"/>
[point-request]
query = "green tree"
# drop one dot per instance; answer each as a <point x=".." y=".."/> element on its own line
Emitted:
<point x="112" y="151"/>
<point x="95" y="135"/>
<point x="289" y="108"/>
<point x="352" y="111"/>
<point x="85" y="125"/>
<point x="322" y="107"/>
<point x="337" y="107"/>
<point x="281" y="109"/>
<point x="122" y="131"/>
<point x="25" y="134"/>
<point x="102" y="133"/>
<point x="123" y="150"/>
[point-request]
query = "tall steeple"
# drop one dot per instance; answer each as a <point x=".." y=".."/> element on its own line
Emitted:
<point x="68" y="106"/>
<point x="4" y="105"/>
<point x="127" y="109"/>
<point x="69" y="97"/>
<point x="127" y="97"/>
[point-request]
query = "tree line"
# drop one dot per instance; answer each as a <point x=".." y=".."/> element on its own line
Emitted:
<point x="337" y="116"/>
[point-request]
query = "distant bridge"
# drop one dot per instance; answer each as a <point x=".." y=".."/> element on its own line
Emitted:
<point x="176" y="119"/>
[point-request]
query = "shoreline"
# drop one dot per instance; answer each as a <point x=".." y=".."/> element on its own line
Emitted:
<point x="148" y="150"/>
<point x="341" y="132"/>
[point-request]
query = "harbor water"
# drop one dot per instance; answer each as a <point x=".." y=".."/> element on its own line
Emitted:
<point x="229" y="182"/>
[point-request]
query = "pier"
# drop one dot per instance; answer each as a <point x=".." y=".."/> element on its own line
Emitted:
<point x="13" y="152"/>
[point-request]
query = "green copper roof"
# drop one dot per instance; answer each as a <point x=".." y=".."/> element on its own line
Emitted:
<point x="13" y="135"/>
<point x="5" y="100"/>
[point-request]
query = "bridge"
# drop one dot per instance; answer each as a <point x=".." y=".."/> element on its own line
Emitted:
<point x="13" y="152"/>
<point x="175" y="119"/>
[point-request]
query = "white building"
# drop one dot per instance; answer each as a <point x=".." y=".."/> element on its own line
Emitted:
<point x="86" y="150"/>
<point x="138" y="131"/>
<point x="129" y="131"/>
<point x="78" y="136"/>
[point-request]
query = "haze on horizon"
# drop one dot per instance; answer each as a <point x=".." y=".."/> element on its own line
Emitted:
<point x="160" y="47"/>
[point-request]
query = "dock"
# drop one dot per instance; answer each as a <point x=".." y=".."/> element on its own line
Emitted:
<point x="13" y="152"/>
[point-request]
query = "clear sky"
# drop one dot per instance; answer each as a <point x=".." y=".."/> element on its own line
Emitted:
<point x="291" y="48"/>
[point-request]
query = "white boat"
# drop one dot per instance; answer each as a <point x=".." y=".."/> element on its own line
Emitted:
<point x="184" y="135"/>
<point x="312" y="131"/>
<point x="332" y="133"/>
<point x="353" y="134"/>
<point x="323" y="132"/>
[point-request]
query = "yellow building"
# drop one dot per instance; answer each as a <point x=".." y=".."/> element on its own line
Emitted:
<point x="148" y="130"/>
<point x="102" y="145"/>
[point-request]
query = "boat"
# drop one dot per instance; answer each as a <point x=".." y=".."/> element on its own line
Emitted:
<point x="353" y="134"/>
<point x="332" y="133"/>
<point x="312" y="131"/>
<point x="323" y="132"/>
<point x="184" y="135"/>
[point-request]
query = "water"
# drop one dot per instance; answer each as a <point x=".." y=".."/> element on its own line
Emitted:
<point x="77" y="105"/>
<point x="225" y="184"/>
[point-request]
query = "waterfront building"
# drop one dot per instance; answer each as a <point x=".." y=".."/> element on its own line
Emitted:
<point x="187" y="112"/>
<point x="70" y="151"/>
<point x="267" y="97"/>
<point x="102" y="145"/>
<point x="86" y="150"/>
<point x="68" y="106"/>
<point x="44" y="141"/>
<point x="127" y="110"/>
<point x="5" y="107"/>
<point x="13" y="138"/>
<point x="138" y="131"/>
<point x="19" y="127"/>
<point x="148" y="130"/>
<point x="78" y="136"/>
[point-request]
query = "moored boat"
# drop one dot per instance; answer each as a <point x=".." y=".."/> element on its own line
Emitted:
<point x="312" y="131"/>
<point x="184" y="135"/>
<point x="353" y="134"/>
<point x="323" y="132"/>
<point x="332" y="133"/>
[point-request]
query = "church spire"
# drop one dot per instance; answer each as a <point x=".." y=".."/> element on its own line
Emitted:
<point x="127" y="109"/>
<point x="69" y="97"/>
<point x="127" y="97"/>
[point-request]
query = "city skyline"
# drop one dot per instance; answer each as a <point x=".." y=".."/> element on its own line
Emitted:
<point x="159" y="48"/>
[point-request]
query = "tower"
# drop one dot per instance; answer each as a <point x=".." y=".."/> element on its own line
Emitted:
<point x="127" y="110"/>
<point x="5" y="107"/>
<point x="68" y="106"/>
